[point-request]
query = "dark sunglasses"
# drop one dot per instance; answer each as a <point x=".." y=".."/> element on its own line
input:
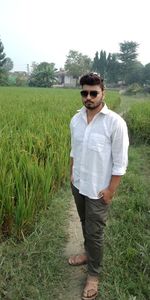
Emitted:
<point x="93" y="94"/>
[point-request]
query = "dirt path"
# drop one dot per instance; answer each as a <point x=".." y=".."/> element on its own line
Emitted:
<point x="74" y="246"/>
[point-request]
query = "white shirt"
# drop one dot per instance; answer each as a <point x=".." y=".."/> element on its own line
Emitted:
<point x="99" y="150"/>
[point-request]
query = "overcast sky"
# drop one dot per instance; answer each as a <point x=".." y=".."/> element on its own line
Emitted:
<point x="45" y="30"/>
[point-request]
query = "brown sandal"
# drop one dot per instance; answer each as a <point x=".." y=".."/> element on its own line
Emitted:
<point x="78" y="260"/>
<point x="90" y="291"/>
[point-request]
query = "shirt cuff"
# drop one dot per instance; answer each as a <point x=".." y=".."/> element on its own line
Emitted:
<point x="71" y="153"/>
<point x="118" y="171"/>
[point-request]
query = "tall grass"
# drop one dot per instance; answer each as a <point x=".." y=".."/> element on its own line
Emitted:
<point x="127" y="264"/>
<point x="34" y="152"/>
<point x="138" y="120"/>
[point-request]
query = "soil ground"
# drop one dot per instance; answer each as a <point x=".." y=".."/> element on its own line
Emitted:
<point x="75" y="246"/>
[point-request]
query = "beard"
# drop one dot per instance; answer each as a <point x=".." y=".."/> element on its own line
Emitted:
<point x="91" y="106"/>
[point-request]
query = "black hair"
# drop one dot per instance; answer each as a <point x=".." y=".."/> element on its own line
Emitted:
<point x="92" y="79"/>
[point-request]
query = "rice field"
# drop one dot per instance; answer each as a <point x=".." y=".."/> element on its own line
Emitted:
<point x="34" y="152"/>
<point x="138" y="120"/>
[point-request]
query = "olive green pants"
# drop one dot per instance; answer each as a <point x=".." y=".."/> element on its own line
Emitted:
<point x="93" y="215"/>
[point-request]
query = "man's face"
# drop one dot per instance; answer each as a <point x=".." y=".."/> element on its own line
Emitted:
<point x="92" y="96"/>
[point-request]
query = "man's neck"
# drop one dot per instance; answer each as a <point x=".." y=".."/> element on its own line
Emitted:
<point x="92" y="112"/>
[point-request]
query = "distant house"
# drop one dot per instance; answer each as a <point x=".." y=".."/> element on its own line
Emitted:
<point x="64" y="79"/>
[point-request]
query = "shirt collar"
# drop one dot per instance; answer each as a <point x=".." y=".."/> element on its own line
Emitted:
<point x="104" y="110"/>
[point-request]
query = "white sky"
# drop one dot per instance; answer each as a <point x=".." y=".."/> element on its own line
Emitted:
<point x="35" y="30"/>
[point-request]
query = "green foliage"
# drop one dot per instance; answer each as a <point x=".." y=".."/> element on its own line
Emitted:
<point x="122" y="66"/>
<point x="134" y="89"/>
<point x="18" y="78"/>
<point x="127" y="265"/>
<point x="136" y="73"/>
<point x="146" y="88"/>
<point x="37" y="268"/>
<point x="3" y="78"/>
<point x="100" y="63"/>
<point x="43" y="75"/>
<point x="3" y="73"/>
<point x="103" y="63"/>
<point x="137" y="89"/>
<point x="95" y="65"/>
<point x="113" y="68"/>
<point x="113" y="100"/>
<point x="138" y="122"/>
<point x="77" y="64"/>
<point x="34" y="153"/>
<point x="147" y="74"/>
<point x="2" y="55"/>
<point x="128" y="52"/>
<point x="8" y="64"/>
<point x="127" y="56"/>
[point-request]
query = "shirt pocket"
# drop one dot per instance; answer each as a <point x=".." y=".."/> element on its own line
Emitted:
<point x="96" y="142"/>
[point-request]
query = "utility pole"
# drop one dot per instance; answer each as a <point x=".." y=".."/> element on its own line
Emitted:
<point x="28" y="70"/>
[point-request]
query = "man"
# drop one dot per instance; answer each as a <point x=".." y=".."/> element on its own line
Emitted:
<point x="99" y="157"/>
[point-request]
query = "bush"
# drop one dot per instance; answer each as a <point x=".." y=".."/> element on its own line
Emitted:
<point x="139" y="122"/>
<point x="134" y="89"/>
<point x="146" y="88"/>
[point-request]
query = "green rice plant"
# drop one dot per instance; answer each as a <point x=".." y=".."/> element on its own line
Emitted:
<point x="138" y="120"/>
<point x="34" y="153"/>
<point x="127" y="234"/>
<point x="113" y="100"/>
<point x="6" y="202"/>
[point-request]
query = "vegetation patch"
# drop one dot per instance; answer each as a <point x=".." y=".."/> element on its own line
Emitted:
<point x="138" y="120"/>
<point x="34" y="153"/>
<point x="126" y="263"/>
<point x="35" y="268"/>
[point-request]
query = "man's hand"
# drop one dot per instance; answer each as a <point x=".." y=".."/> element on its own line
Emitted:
<point x="107" y="195"/>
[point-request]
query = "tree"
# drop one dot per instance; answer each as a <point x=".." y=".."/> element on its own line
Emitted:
<point x="8" y="64"/>
<point x="102" y="63"/>
<point x="95" y="66"/>
<point x="33" y="66"/>
<point x="136" y="74"/>
<point x="107" y="66"/>
<point x="2" y="55"/>
<point x="3" y="75"/>
<point x="128" y="54"/>
<point x="43" y="75"/>
<point x="77" y="64"/>
<point x="147" y="74"/>
<point x="113" y="68"/>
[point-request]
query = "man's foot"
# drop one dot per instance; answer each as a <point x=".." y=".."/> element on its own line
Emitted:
<point x="90" y="291"/>
<point x="78" y="260"/>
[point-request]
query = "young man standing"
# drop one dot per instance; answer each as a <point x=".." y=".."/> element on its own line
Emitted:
<point x="99" y="157"/>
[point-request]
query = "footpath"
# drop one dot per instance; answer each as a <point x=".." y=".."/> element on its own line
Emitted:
<point x="74" y="246"/>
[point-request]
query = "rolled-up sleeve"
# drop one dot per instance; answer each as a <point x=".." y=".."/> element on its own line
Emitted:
<point x="120" y="144"/>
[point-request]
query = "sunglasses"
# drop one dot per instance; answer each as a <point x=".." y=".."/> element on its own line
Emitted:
<point x="93" y="94"/>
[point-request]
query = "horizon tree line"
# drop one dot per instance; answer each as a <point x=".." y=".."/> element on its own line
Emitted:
<point x="120" y="67"/>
